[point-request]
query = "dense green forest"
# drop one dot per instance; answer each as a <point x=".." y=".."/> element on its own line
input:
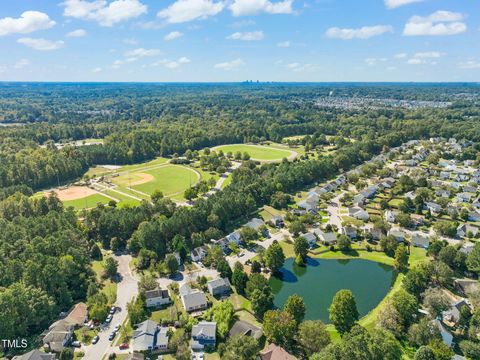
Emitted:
<point x="39" y="237"/>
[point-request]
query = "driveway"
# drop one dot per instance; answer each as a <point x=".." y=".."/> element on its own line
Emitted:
<point x="333" y="209"/>
<point x="127" y="289"/>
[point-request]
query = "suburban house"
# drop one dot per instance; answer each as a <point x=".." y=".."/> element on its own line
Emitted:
<point x="389" y="216"/>
<point x="310" y="237"/>
<point x="466" y="286"/>
<point x="452" y="315"/>
<point x="398" y="235"/>
<point x="349" y="231"/>
<point x="464" y="230"/>
<point x="464" y="197"/>
<point x="244" y="328"/>
<point x="433" y="207"/>
<point x="326" y="237"/>
<point x="278" y="221"/>
<point x="358" y="213"/>
<point x="234" y="237"/>
<point x="203" y="335"/>
<point x="467" y="248"/>
<point x="157" y="298"/>
<point x="255" y="224"/>
<point x="78" y="315"/>
<point x="420" y="241"/>
<point x="374" y="232"/>
<point x="199" y="253"/>
<point x="147" y="337"/>
<point x="192" y="300"/>
<point x="274" y="352"/>
<point x="35" y="355"/>
<point x="58" y="335"/>
<point x="473" y="216"/>
<point x="310" y="204"/>
<point x="219" y="286"/>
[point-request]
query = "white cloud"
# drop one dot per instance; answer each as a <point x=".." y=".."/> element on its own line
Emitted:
<point x="360" y="33"/>
<point x="440" y="23"/>
<point x="20" y="64"/>
<point x="41" y="44"/>
<point x="252" y="7"/>
<point x="28" y="22"/>
<point x="374" y="61"/>
<point x="400" y="56"/>
<point x="134" y="55"/>
<point x="284" y="44"/>
<point x="428" y="55"/>
<point x="298" y="67"/>
<point x="77" y="33"/>
<point x="97" y="70"/>
<point x="469" y="64"/>
<point x="230" y="65"/>
<point x="172" y="64"/>
<point x="187" y="10"/>
<point x="103" y="12"/>
<point x="117" y="63"/>
<point x="425" y="58"/>
<point x="247" y="36"/>
<point x="392" y="4"/>
<point x="173" y="35"/>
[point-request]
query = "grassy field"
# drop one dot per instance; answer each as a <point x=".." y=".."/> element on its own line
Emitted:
<point x="257" y="152"/>
<point x="87" y="202"/>
<point x="170" y="179"/>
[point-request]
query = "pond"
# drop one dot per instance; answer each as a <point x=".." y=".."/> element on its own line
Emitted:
<point x="319" y="281"/>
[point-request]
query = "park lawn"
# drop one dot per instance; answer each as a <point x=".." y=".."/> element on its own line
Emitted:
<point x="357" y="252"/>
<point x="227" y="181"/>
<point x="170" y="179"/>
<point x="88" y="202"/>
<point x="140" y="166"/>
<point x="205" y="174"/>
<point x="257" y="152"/>
<point x="300" y="149"/>
<point x="129" y="191"/>
<point x="417" y="256"/>
<point x="124" y="200"/>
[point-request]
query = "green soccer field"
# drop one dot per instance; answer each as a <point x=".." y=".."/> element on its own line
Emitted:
<point x="87" y="202"/>
<point x="257" y="152"/>
<point x="169" y="179"/>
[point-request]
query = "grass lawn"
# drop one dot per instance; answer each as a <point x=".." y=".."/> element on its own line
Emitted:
<point x="88" y="202"/>
<point x="85" y="335"/>
<point x="395" y="202"/>
<point x="124" y="200"/>
<point x="267" y="212"/>
<point x="169" y="314"/>
<point x="256" y="152"/>
<point x="171" y="179"/>
<point x="355" y="253"/>
<point x="108" y="287"/>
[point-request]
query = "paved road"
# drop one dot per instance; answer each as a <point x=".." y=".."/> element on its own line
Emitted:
<point x="127" y="289"/>
<point x="333" y="210"/>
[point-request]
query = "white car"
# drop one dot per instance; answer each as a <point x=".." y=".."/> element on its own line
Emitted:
<point x="116" y="328"/>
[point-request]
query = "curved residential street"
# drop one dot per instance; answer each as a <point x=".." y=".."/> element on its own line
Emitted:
<point x="127" y="289"/>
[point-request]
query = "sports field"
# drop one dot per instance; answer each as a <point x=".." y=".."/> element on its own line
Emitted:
<point x="169" y="179"/>
<point x="258" y="152"/>
<point x="87" y="202"/>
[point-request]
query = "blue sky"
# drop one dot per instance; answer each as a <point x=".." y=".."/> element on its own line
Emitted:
<point x="236" y="40"/>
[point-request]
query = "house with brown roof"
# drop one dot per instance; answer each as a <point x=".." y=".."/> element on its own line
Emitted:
<point x="274" y="352"/>
<point x="78" y="315"/>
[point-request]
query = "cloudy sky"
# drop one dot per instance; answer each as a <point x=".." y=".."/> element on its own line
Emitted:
<point x="236" y="40"/>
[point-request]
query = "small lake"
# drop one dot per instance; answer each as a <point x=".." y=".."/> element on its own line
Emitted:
<point x="320" y="280"/>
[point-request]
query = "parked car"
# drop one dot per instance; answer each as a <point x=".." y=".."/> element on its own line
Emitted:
<point x="109" y="319"/>
<point x="76" y="344"/>
<point x="95" y="339"/>
<point x="123" y="346"/>
<point x="116" y="328"/>
<point x="112" y="336"/>
<point x="112" y="310"/>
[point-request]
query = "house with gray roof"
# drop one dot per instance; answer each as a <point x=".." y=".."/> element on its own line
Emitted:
<point x="58" y="336"/>
<point x="244" y="328"/>
<point x="465" y="230"/>
<point x="219" y="286"/>
<point x="255" y="224"/>
<point x="447" y="337"/>
<point x="35" y="355"/>
<point x="310" y="237"/>
<point x="420" y="241"/>
<point x="192" y="299"/>
<point x="157" y="298"/>
<point x="326" y="237"/>
<point x="149" y="336"/>
<point x="199" y="253"/>
<point x="204" y="335"/>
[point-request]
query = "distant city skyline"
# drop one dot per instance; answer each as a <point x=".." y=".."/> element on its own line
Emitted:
<point x="238" y="40"/>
